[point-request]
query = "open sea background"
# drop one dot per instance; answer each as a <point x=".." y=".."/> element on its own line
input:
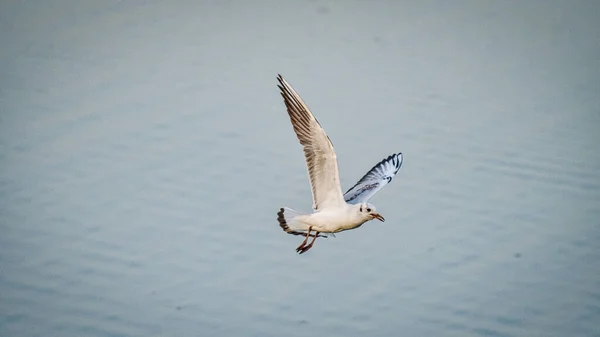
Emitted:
<point x="144" y="152"/>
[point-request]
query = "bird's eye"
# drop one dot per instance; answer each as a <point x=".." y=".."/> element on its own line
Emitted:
<point x="368" y="210"/>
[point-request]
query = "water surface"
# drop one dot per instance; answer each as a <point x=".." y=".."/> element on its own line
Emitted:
<point x="145" y="150"/>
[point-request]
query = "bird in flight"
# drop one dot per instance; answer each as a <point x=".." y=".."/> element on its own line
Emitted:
<point x="333" y="211"/>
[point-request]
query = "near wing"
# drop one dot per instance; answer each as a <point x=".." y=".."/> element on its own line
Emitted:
<point x="377" y="177"/>
<point x="318" y="150"/>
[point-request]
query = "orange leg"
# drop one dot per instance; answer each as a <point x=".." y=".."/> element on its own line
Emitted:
<point x="305" y="240"/>
<point x="304" y="249"/>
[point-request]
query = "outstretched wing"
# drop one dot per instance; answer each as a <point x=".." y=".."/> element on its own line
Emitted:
<point x="377" y="177"/>
<point x="321" y="160"/>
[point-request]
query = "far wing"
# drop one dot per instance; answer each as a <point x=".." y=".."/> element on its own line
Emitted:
<point x="377" y="177"/>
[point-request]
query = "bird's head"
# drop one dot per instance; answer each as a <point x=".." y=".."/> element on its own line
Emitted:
<point x="369" y="212"/>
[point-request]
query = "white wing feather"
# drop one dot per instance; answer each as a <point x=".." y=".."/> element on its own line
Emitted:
<point x="377" y="177"/>
<point x="321" y="160"/>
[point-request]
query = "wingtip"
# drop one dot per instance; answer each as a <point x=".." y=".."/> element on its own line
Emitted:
<point x="282" y="83"/>
<point x="392" y="157"/>
<point x="400" y="159"/>
<point x="396" y="159"/>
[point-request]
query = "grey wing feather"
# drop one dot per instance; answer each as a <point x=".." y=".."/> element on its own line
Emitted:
<point x="377" y="177"/>
<point x="321" y="160"/>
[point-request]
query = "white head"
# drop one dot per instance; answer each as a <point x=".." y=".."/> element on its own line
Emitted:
<point x="368" y="212"/>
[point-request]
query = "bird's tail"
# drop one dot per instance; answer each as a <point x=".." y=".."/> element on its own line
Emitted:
<point x="290" y="221"/>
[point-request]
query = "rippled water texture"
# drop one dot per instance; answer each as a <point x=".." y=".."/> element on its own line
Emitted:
<point x="145" y="150"/>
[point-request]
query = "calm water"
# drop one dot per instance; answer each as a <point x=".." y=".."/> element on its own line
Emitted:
<point x="145" y="150"/>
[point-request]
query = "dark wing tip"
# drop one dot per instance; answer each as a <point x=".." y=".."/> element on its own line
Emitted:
<point x="393" y="156"/>
<point x="396" y="160"/>
<point x="280" y="79"/>
<point x="399" y="158"/>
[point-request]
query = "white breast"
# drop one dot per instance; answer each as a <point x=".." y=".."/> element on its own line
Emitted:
<point x="335" y="220"/>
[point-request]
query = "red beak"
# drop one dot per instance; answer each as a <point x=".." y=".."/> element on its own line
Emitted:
<point x="379" y="217"/>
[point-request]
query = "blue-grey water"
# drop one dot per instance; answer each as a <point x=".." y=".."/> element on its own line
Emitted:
<point x="144" y="152"/>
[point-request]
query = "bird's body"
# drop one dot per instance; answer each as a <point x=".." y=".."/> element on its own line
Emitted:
<point x="333" y="211"/>
<point x="329" y="220"/>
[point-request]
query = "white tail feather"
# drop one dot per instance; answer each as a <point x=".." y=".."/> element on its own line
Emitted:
<point x="290" y="221"/>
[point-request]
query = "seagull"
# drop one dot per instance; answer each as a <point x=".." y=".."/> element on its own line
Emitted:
<point x="333" y="212"/>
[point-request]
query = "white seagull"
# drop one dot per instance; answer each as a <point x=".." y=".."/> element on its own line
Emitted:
<point x="333" y="211"/>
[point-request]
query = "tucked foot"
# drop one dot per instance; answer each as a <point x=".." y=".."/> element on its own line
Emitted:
<point x="304" y="249"/>
<point x="305" y="240"/>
